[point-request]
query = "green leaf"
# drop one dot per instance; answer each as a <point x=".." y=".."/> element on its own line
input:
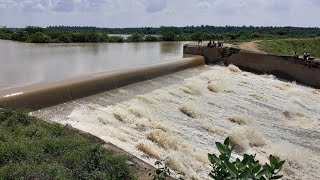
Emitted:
<point x="245" y="174"/>
<point x="227" y="141"/>
<point x="158" y="171"/>
<point x="269" y="169"/>
<point x="256" y="169"/>
<point x="273" y="161"/>
<point x="221" y="148"/>
<point x="261" y="173"/>
<point x="224" y="158"/>
<point x="245" y="160"/>
<point x="232" y="169"/>
<point x="214" y="159"/>
<point x="280" y="164"/>
<point x="276" y="177"/>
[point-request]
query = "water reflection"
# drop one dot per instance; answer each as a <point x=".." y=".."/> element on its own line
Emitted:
<point x="23" y="63"/>
<point x="170" y="47"/>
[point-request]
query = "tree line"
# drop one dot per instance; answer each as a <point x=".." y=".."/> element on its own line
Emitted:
<point x="68" y="34"/>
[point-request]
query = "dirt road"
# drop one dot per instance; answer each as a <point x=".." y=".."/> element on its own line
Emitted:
<point x="250" y="46"/>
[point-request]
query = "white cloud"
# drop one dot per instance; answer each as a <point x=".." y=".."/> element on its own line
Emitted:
<point x="130" y="13"/>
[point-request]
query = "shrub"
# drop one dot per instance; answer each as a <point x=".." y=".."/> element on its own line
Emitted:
<point x="66" y="38"/>
<point x="247" y="168"/>
<point x="34" y="149"/>
<point x="136" y="38"/>
<point x="116" y="39"/>
<point x="151" y="38"/>
<point x="39" y="37"/>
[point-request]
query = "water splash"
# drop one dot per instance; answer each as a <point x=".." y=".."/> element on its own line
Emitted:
<point x="257" y="112"/>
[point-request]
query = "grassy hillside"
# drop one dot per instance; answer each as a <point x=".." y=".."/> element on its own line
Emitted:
<point x="33" y="149"/>
<point x="289" y="46"/>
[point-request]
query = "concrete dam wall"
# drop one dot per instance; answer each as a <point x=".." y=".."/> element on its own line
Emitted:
<point x="39" y="96"/>
<point x="285" y="67"/>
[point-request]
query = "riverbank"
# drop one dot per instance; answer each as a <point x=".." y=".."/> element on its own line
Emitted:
<point x="289" y="46"/>
<point x="92" y="34"/>
<point x="34" y="149"/>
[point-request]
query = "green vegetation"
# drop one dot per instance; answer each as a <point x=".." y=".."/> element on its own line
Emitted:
<point x="162" y="172"/>
<point x="223" y="168"/>
<point x="136" y="38"/>
<point x="68" y="34"/>
<point x="35" y="149"/>
<point x="152" y="38"/>
<point x="247" y="168"/>
<point x="289" y="46"/>
<point x="170" y="33"/>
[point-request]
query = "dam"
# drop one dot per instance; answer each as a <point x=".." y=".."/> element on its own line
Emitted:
<point x="178" y="116"/>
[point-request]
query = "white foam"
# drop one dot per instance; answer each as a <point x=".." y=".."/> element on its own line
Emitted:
<point x="152" y="126"/>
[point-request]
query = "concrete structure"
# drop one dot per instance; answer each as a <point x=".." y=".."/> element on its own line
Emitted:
<point x="286" y="67"/>
<point x="38" y="96"/>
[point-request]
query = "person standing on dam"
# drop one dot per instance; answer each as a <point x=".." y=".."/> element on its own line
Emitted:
<point x="209" y="44"/>
<point x="199" y="41"/>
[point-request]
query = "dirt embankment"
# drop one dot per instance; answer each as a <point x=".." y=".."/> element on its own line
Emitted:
<point x="251" y="46"/>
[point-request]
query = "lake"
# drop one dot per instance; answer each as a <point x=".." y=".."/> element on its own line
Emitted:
<point x="24" y="63"/>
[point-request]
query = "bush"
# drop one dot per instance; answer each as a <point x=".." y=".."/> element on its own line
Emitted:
<point x="39" y="37"/>
<point x="34" y="149"/>
<point x="247" y="168"/>
<point x="136" y="38"/>
<point x="66" y="38"/>
<point x="19" y="36"/>
<point x="116" y="39"/>
<point x="183" y="37"/>
<point x="169" y="33"/>
<point x="151" y="38"/>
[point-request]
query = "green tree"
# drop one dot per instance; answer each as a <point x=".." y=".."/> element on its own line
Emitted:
<point x="66" y="38"/>
<point x="169" y="33"/>
<point x="136" y="37"/>
<point x="151" y="38"/>
<point x="33" y="29"/>
<point x="39" y="37"/>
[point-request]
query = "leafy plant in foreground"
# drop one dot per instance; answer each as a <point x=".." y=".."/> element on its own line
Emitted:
<point x="162" y="171"/>
<point x="247" y="168"/>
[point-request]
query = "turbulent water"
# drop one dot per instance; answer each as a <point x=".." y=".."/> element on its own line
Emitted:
<point x="179" y="118"/>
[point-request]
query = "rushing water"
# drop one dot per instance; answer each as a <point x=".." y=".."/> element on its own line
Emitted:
<point x="179" y="117"/>
<point x="23" y="63"/>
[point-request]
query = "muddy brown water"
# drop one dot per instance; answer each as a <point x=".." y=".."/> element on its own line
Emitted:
<point x="24" y="64"/>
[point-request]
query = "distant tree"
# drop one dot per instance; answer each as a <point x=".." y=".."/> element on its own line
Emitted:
<point x="20" y="36"/>
<point x="92" y="37"/>
<point x="169" y="33"/>
<point x="116" y="39"/>
<point x="33" y="29"/>
<point x="136" y="37"/>
<point x="66" y="38"/>
<point x="183" y="37"/>
<point x="39" y="37"/>
<point x="151" y="38"/>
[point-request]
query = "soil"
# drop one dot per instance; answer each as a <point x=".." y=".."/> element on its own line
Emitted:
<point x="251" y="46"/>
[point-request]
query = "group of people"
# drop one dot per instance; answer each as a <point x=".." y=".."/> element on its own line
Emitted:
<point x="214" y="44"/>
<point x="306" y="56"/>
<point x="211" y="43"/>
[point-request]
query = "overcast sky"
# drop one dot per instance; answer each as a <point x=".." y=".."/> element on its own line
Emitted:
<point x="138" y="13"/>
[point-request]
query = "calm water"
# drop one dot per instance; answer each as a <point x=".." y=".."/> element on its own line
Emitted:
<point x="23" y="64"/>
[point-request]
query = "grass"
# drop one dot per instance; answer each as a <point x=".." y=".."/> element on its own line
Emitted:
<point x="289" y="46"/>
<point x="34" y="149"/>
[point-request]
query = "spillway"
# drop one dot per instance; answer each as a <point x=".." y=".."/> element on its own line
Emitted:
<point x="180" y="116"/>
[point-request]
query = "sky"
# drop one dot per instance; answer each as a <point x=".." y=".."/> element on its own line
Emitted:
<point x="155" y="13"/>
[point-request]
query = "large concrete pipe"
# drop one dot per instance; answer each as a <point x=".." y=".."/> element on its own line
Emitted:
<point x="38" y="96"/>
